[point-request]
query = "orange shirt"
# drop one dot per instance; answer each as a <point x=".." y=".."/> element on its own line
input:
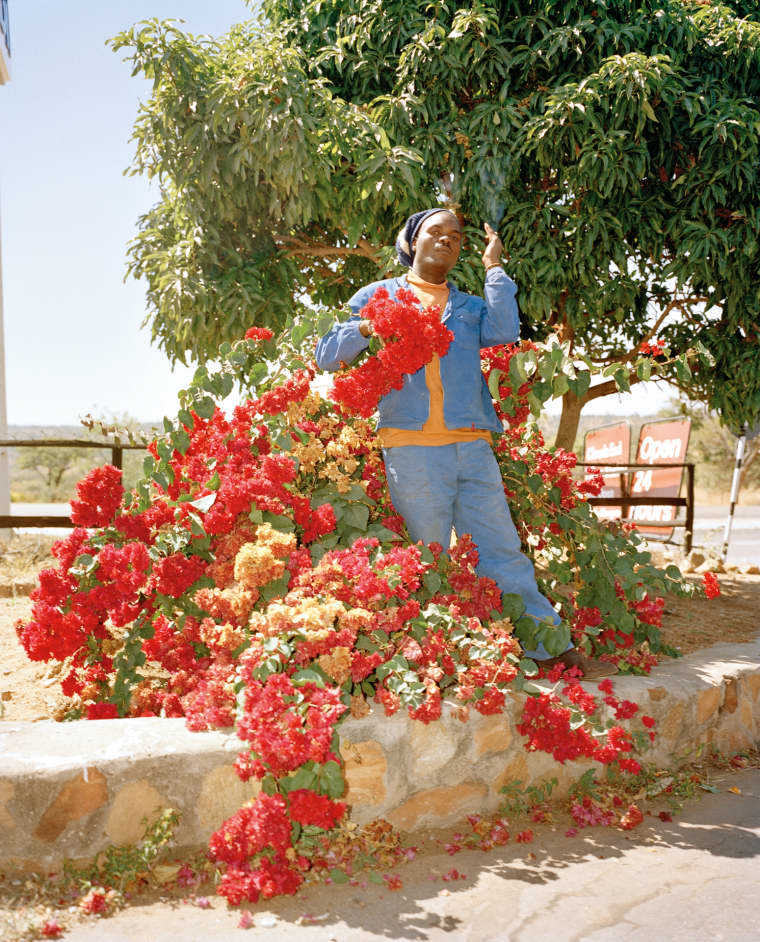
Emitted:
<point x="434" y="431"/>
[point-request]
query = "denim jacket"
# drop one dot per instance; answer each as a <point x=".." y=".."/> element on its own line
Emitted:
<point x="474" y="322"/>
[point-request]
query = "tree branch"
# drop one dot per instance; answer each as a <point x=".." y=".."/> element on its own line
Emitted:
<point x="294" y="246"/>
<point x="607" y="388"/>
<point x="674" y="303"/>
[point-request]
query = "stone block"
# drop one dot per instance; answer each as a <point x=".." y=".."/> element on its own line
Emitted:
<point x="134" y="807"/>
<point x="708" y="702"/>
<point x="222" y="793"/>
<point x="493" y="734"/>
<point x="433" y="745"/>
<point x="7" y="791"/>
<point x="746" y="714"/>
<point x="694" y="559"/>
<point x="80" y="796"/>
<point x="438" y="806"/>
<point x="516" y="770"/>
<point x="657" y="694"/>
<point x="731" y="698"/>
<point x="366" y="768"/>
<point x="669" y="726"/>
<point x="753" y="685"/>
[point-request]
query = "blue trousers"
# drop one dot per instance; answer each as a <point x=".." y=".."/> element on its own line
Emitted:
<point x="460" y="485"/>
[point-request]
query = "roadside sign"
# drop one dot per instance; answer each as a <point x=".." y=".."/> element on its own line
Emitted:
<point x="609" y="443"/>
<point x="661" y="442"/>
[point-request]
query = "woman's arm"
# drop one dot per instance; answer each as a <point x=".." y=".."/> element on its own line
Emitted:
<point x="345" y="341"/>
<point x="501" y="319"/>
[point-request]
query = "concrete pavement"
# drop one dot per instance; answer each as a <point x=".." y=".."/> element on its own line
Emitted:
<point x="695" y="878"/>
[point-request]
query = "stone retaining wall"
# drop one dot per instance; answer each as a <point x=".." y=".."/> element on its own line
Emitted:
<point x="71" y="789"/>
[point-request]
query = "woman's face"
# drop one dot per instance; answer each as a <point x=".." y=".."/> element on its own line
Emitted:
<point x="438" y="242"/>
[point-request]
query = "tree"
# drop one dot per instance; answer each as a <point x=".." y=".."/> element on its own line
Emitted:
<point x="713" y="447"/>
<point x="615" y="144"/>
<point x="49" y="474"/>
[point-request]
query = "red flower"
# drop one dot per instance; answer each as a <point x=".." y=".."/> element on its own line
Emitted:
<point x="321" y="521"/>
<point x="411" y="336"/>
<point x="102" y="711"/>
<point x="712" y="587"/>
<point x="632" y="818"/>
<point x="51" y="929"/>
<point x="94" y="902"/>
<point x="98" y="497"/>
<point x="307" y="807"/>
<point x="258" y="334"/>
<point x="175" y="574"/>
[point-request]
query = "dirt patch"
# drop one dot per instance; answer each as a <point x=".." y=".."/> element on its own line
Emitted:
<point x="29" y="690"/>
<point x="21" y="558"/>
<point x="733" y="618"/>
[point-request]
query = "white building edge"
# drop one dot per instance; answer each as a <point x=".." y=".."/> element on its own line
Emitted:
<point x="5" y="74"/>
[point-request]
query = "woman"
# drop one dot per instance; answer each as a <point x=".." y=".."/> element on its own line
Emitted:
<point x="436" y="430"/>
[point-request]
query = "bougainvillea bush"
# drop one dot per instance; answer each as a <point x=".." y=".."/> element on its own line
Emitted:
<point x="258" y="577"/>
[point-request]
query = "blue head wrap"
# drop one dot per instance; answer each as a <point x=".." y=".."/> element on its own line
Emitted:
<point x="410" y="229"/>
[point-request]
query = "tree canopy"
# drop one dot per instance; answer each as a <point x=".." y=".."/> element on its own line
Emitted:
<point x="614" y="144"/>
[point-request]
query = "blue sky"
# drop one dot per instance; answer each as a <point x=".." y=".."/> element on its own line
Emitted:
<point x="73" y="342"/>
<point x="72" y="326"/>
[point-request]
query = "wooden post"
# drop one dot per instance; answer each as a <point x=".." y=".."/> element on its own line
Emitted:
<point x="689" y="535"/>
<point x="117" y="455"/>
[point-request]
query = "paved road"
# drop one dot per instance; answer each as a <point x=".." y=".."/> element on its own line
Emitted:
<point x="744" y="544"/>
<point x="691" y="880"/>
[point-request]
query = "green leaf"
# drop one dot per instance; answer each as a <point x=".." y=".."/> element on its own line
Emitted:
<point x="279" y="522"/>
<point x="357" y="516"/>
<point x="204" y="407"/>
<point x="621" y="380"/>
<point x="331" y="779"/>
<point x="493" y="383"/>
<point x="203" y="503"/>
<point x="512" y="606"/>
<point x="309" y="675"/>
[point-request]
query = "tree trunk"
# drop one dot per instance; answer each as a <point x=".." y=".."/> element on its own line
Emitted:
<point x="568" y="423"/>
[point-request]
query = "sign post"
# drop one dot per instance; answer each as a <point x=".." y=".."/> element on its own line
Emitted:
<point x="735" y="482"/>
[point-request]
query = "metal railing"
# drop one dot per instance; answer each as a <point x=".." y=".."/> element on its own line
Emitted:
<point x="58" y="520"/>
<point x="625" y="501"/>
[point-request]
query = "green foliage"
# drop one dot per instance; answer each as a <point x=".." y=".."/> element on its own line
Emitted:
<point x="520" y="801"/>
<point x="614" y="144"/>
<point x="120" y="866"/>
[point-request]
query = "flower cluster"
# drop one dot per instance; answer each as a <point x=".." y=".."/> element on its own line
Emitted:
<point x="410" y="336"/>
<point x="569" y="726"/>
<point x="654" y="349"/>
<point x="712" y="586"/>
<point x="259" y="577"/>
